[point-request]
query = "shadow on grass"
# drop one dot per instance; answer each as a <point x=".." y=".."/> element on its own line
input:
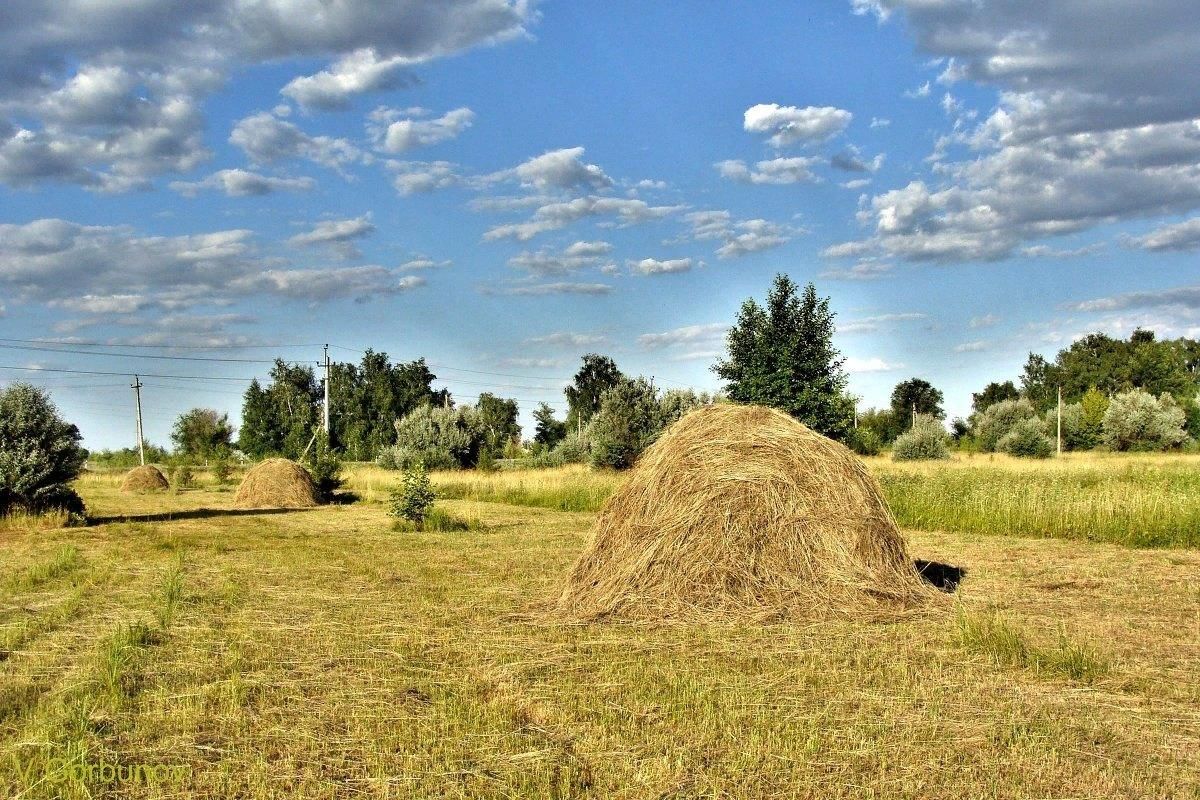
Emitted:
<point x="196" y="513"/>
<point x="940" y="576"/>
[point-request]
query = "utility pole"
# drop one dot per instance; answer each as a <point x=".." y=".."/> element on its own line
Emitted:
<point x="1060" y="420"/>
<point x="137" y="394"/>
<point x="914" y="414"/>
<point x="327" y="392"/>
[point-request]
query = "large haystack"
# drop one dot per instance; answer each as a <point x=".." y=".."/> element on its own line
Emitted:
<point x="276" y="483"/>
<point x="145" y="478"/>
<point x="742" y="512"/>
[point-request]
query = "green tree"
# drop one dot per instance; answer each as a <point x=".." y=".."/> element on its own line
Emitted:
<point x="629" y="420"/>
<point x="597" y="375"/>
<point x="549" y="431"/>
<point x="282" y="418"/>
<point x="39" y="454"/>
<point x="368" y="397"/>
<point x="881" y="423"/>
<point x="1137" y="420"/>
<point x="202" y="433"/>
<point x="993" y="393"/>
<point x="998" y="419"/>
<point x="919" y="394"/>
<point x="926" y="440"/>
<point x="498" y="419"/>
<point x="782" y="355"/>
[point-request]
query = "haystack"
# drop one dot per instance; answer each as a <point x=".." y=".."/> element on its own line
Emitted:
<point x="145" y="478"/>
<point x="742" y="512"/>
<point x="276" y="483"/>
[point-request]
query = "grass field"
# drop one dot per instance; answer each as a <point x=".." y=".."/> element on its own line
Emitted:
<point x="1140" y="501"/>
<point x="320" y="654"/>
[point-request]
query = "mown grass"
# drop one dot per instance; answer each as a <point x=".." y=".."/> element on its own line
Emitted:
<point x="1137" y="501"/>
<point x="319" y="654"/>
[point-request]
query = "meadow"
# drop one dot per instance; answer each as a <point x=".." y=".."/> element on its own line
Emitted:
<point x="321" y="654"/>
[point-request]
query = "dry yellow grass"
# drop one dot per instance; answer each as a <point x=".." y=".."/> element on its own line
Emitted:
<point x="317" y="654"/>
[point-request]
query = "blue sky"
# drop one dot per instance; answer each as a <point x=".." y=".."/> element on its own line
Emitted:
<point x="502" y="186"/>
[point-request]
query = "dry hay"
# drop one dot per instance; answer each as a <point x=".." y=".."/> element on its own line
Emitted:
<point x="145" y="478"/>
<point x="276" y="483"/>
<point x="742" y="512"/>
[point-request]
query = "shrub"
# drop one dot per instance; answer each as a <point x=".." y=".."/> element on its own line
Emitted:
<point x="442" y="438"/>
<point x="325" y="467"/>
<point x="412" y="500"/>
<point x="438" y="520"/>
<point x="575" y="448"/>
<point x="222" y="470"/>
<point x="865" y="442"/>
<point x="1137" y="420"/>
<point x="1026" y="439"/>
<point x="926" y="440"/>
<point x="39" y="455"/>
<point x="486" y="461"/>
<point x="181" y="476"/>
<point x="998" y="419"/>
<point x="629" y="420"/>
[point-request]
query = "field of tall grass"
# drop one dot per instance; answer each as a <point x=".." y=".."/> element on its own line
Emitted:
<point x="1133" y="500"/>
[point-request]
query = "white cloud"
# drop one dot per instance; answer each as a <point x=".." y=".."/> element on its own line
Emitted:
<point x="359" y="283"/>
<point x="242" y="183"/>
<point x="336" y="232"/>
<point x="566" y="339"/>
<point x="558" y="215"/>
<point x="740" y="238"/>
<point x="790" y="125"/>
<point x="109" y="93"/>
<point x="777" y="171"/>
<point x="872" y="324"/>
<point x="689" y="335"/>
<point x="860" y="366"/>
<point x="560" y="287"/>
<point x="546" y="262"/>
<point x="266" y="139"/>
<point x="556" y="169"/>
<point x="653" y="266"/>
<point x="421" y="177"/>
<point x="393" y="134"/>
<point x="355" y="73"/>
<point x="865" y="270"/>
<point x="972" y="347"/>
<point x="1182" y="298"/>
<point x="985" y="321"/>
<point x="423" y="263"/>
<point x="1181" y="236"/>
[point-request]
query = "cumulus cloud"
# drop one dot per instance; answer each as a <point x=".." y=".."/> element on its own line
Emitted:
<point x="547" y="262"/>
<point x="242" y="183"/>
<point x="860" y="366"/>
<point x="556" y="169"/>
<point x="778" y="171"/>
<point x="865" y="270"/>
<point x="359" y="283"/>
<point x="422" y="177"/>
<point x="356" y="73"/>
<point x="851" y="160"/>
<point x="566" y="339"/>
<point x="1181" y="236"/>
<point x="872" y="324"/>
<point x="739" y="238"/>
<point x="790" y="125"/>
<point x="977" y="346"/>
<point x="1082" y="136"/>
<point x="690" y="335"/>
<point x="985" y="321"/>
<point x="393" y="132"/>
<point x="423" y="263"/>
<point x="265" y="139"/>
<point x="337" y="233"/>
<point x="654" y="266"/>
<point x="542" y="289"/>
<point x="1181" y="298"/>
<point x="109" y="94"/>
<point x="557" y="215"/>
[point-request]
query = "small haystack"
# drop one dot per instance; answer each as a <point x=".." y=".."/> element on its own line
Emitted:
<point x="276" y="483"/>
<point x="145" y="478"/>
<point x="741" y="512"/>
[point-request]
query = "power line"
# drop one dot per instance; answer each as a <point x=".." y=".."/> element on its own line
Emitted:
<point x="143" y="355"/>
<point x="217" y="347"/>
<point x="123" y="374"/>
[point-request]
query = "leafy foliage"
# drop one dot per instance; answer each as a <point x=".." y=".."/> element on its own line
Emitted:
<point x="441" y="438"/>
<point x="498" y="422"/>
<point x="926" y="440"/>
<point x="128" y="457"/>
<point x="325" y="467"/>
<point x="1137" y="420"/>
<point x="597" y="375"/>
<point x="549" y="431"/>
<point x="414" y="497"/>
<point x="39" y="454"/>
<point x="202" y="433"/>
<point x="367" y="399"/>
<point x="865" y="442"/>
<point x="916" y="393"/>
<point x="998" y="419"/>
<point x="783" y="356"/>
<point x="629" y="420"/>
<point x="993" y="393"/>
<point x="1026" y="439"/>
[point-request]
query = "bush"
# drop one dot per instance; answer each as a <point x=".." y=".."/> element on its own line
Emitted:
<point x="629" y="420"/>
<point x="437" y="520"/>
<point x="181" y="476"/>
<point x="222" y="470"/>
<point x="39" y="455"/>
<point x="995" y="421"/>
<point x="1137" y="420"/>
<point x="575" y="448"/>
<point x="413" y="499"/>
<point x="865" y="442"/>
<point x="486" y="461"/>
<point x="441" y="438"/>
<point x="926" y="440"/>
<point x="325" y="467"/>
<point x="1026" y="439"/>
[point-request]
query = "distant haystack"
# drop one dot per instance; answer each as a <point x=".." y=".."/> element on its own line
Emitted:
<point x="742" y="512"/>
<point x="145" y="478"/>
<point x="276" y="483"/>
